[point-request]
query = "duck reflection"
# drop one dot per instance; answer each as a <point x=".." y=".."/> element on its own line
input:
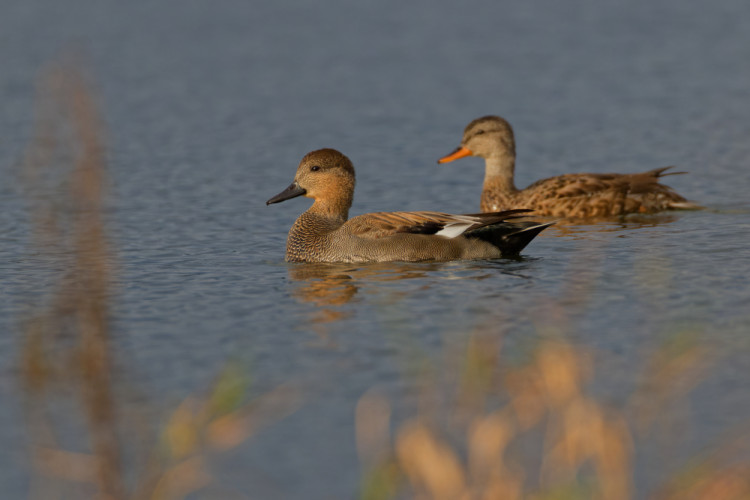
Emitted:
<point x="331" y="286"/>
<point x="326" y="286"/>
<point x="580" y="227"/>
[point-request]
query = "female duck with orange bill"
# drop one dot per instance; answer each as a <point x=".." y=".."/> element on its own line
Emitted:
<point x="569" y="195"/>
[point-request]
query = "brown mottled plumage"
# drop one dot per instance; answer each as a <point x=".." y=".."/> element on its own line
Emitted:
<point x="324" y="233"/>
<point x="570" y="195"/>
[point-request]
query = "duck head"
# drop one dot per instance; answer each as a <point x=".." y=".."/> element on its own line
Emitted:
<point x="326" y="176"/>
<point x="488" y="137"/>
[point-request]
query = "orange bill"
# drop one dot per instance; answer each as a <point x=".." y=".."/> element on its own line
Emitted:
<point x="459" y="152"/>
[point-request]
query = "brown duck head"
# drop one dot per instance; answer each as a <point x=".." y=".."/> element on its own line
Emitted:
<point x="488" y="137"/>
<point x="326" y="176"/>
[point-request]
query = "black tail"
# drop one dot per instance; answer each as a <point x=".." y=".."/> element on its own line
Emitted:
<point x="509" y="237"/>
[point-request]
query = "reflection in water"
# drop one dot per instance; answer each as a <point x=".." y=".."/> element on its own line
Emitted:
<point x="330" y="287"/>
<point x="578" y="227"/>
<point x="337" y="284"/>
<point x="324" y="285"/>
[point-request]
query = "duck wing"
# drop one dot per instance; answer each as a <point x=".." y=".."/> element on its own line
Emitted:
<point x="591" y="195"/>
<point x="589" y="184"/>
<point x="383" y="224"/>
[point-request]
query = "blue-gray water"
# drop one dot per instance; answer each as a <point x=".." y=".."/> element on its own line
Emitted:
<point x="210" y="105"/>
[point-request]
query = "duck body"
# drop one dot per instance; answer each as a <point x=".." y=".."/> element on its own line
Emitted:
<point x="402" y="236"/>
<point x="324" y="233"/>
<point x="571" y="195"/>
<point x="588" y="195"/>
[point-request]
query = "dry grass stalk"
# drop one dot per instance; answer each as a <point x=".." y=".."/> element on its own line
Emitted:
<point x="69" y="339"/>
<point x="68" y="349"/>
<point x="587" y="452"/>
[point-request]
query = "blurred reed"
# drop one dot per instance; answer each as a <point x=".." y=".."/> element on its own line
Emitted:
<point x="68" y="362"/>
<point x="66" y="338"/>
<point x="486" y="427"/>
<point x="532" y="431"/>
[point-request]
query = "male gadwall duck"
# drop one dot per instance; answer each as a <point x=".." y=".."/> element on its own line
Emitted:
<point x="324" y="233"/>
<point x="570" y="195"/>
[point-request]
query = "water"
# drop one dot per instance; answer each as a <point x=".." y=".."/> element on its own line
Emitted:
<point x="209" y="108"/>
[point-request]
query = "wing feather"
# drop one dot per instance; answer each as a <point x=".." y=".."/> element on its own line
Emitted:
<point x="382" y="224"/>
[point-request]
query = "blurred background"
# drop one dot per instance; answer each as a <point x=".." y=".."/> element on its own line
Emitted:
<point x="155" y="344"/>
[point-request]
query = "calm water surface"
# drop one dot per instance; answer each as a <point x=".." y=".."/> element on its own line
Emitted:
<point x="209" y="108"/>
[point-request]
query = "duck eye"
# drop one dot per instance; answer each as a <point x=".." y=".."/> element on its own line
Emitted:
<point x="480" y="132"/>
<point x="314" y="168"/>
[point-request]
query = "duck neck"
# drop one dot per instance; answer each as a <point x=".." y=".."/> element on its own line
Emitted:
<point x="335" y="210"/>
<point x="315" y="224"/>
<point x="498" y="173"/>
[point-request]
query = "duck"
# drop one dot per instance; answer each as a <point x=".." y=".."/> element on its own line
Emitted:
<point x="565" y="196"/>
<point x="325" y="233"/>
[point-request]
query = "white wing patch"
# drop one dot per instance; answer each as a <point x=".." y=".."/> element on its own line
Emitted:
<point x="454" y="229"/>
<point x="457" y="226"/>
